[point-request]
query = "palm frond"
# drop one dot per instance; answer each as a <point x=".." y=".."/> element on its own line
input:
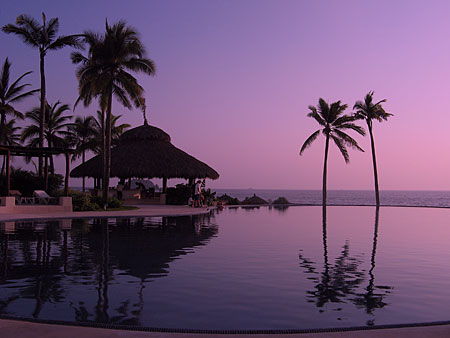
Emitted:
<point x="341" y="148"/>
<point x="316" y="116"/>
<point x="360" y="130"/>
<point x="28" y="37"/>
<point x="347" y="139"/>
<point x="63" y="41"/>
<point x="309" y="141"/>
<point x="5" y="78"/>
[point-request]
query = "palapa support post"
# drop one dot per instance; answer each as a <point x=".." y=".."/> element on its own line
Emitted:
<point x="164" y="189"/>
<point x="46" y="173"/>
<point x="66" y="179"/>
<point x="8" y="173"/>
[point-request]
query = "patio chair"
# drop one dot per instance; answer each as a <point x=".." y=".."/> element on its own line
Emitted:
<point x="16" y="194"/>
<point x="41" y="197"/>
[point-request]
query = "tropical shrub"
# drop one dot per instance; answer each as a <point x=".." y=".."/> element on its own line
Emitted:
<point x="281" y="200"/>
<point x="27" y="182"/>
<point x="178" y="195"/>
<point x="114" y="203"/>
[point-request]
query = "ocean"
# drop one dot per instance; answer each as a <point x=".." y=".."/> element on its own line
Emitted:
<point x="347" y="197"/>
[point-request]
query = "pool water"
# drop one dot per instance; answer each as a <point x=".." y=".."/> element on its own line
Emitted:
<point x="237" y="269"/>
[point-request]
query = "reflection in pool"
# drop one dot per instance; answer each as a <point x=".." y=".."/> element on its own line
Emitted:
<point x="267" y="268"/>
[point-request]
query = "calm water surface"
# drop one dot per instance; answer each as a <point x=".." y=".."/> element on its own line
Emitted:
<point x="259" y="268"/>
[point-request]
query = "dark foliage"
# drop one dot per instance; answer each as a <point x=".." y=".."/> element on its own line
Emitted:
<point x="178" y="195"/>
<point x="281" y="200"/>
<point x="27" y="182"/>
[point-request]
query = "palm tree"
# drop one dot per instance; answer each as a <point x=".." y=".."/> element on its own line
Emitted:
<point x="81" y="136"/>
<point x="104" y="74"/>
<point x="10" y="137"/>
<point x="334" y="122"/>
<point x="9" y="95"/>
<point x="55" y="128"/>
<point x="116" y="130"/>
<point x="369" y="111"/>
<point x="42" y="37"/>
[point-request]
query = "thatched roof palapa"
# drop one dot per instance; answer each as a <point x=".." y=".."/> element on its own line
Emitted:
<point x="146" y="152"/>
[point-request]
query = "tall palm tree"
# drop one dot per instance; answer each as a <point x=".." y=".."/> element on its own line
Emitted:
<point x="334" y="122"/>
<point x="55" y="128"/>
<point x="368" y="111"/>
<point x="42" y="37"/>
<point x="10" y="94"/>
<point x="103" y="73"/>
<point x="81" y="136"/>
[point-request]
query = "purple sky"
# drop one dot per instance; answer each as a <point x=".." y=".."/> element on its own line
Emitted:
<point x="234" y="80"/>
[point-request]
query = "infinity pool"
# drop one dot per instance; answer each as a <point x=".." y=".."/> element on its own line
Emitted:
<point x="239" y="269"/>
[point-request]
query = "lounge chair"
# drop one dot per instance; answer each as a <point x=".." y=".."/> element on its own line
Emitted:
<point x="41" y="197"/>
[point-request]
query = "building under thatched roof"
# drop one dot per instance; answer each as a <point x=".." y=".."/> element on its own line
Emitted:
<point x="146" y="152"/>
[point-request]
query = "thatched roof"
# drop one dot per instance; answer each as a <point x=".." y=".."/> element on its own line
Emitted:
<point x="146" y="152"/>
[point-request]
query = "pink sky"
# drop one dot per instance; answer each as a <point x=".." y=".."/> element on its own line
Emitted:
<point x="235" y="78"/>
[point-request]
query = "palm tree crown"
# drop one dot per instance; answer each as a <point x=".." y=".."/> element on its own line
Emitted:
<point x="42" y="37"/>
<point x="333" y="122"/>
<point x="10" y="94"/>
<point x="331" y="118"/>
<point x="368" y="111"/>
<point x="55" y="130"/>
<point x="116" y="131"/>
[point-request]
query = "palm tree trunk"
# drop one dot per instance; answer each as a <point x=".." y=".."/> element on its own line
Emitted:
<point x="324" y="183"/>
<point x="42" y="122"/>
<point x="108" y="149"/>
<point x="103" y="151"/>
<point x="52" y="164"/>
<point x="3" y="165"/>
<point x="374" y="161"/>
<point x="84" y="178"/>
<point x="2" y="127"/>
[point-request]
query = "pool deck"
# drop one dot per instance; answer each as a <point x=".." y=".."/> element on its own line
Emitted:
<point x="144" y="210"/>
<point x="24" y="329"/>
<point x="18" y="329"/>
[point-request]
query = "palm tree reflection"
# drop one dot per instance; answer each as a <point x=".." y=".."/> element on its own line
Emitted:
<point x="374" y="296"/>
<point x="340" y="282"/>
<point x="95" y="254"/>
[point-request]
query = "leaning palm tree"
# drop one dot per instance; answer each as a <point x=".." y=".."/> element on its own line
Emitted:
<point x="334" y="122"/>
<point x="10" y="94"/>
<point x="369" y="111"/>
<point x="81" y="135"/>
<point x="42" y="37"/>
<point x="55" y="128"/>
<point x="103" y="73"/>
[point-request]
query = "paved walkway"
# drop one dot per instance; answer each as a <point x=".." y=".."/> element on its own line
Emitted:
<point x="144" y="210"/>
<point x="21" y="329"/>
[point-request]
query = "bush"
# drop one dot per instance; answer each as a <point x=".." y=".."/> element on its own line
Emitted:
<point x="81" y="201"/>
<point x="114" y="203"/>
<point x="178" y="195"/>
<point x="281" y="200"/>
<point x="27" y="182"/>
<point x="209" y="196"/>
